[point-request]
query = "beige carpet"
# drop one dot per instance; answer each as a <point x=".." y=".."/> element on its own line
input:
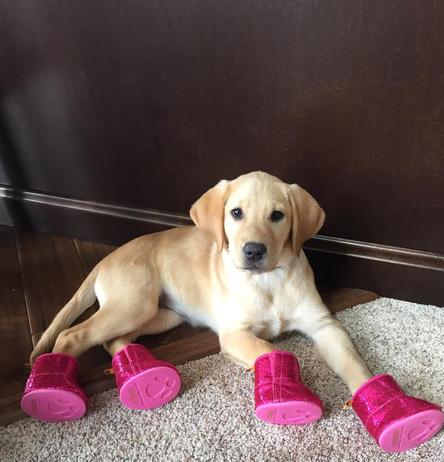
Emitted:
<point x="213" y="419"/>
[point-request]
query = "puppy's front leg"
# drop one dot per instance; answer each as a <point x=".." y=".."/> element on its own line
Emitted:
<point x="280" y="396"/>
<point x="336" y="348"/>
<point x="243" y="347"/>
<point x="397" y="421"/>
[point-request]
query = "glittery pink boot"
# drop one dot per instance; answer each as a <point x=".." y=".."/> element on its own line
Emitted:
<point x="280" y="396"/>
<point x="143" y="381"/>
<point x="398" y="422"/>
<point x="51" y="392"/>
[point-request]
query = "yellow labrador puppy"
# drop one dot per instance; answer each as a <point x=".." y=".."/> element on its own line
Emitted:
<point x="240" y="271"/>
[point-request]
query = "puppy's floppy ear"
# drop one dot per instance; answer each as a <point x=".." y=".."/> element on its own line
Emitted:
<point x="207" y="212"/>
<point x="307" y="216"/>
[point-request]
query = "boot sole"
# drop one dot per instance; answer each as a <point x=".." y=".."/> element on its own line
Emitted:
<point x="52" y="405"/>
<point x="151" y="388"/>
<point x="289" y="413"/>
<point x="409" y="432"/>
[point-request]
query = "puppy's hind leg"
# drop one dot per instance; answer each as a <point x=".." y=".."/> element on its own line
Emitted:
<point x="128" y="294"/>
<point x="53" y="393"/>
<point x="143" y="381"/>
<point x="115" y="318"/>
<point x="164" y="320"/>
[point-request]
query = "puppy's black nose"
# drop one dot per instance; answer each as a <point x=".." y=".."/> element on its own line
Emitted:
<point x="254" y="251"/>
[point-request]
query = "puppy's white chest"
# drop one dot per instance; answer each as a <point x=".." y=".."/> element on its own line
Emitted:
<point x="271" y="322"/>
<point x="268" y="310"/>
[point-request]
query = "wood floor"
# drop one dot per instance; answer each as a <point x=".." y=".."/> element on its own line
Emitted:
<point x="38" y="275"/>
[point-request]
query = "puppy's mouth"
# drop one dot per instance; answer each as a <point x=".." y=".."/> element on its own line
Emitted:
<point x="255" y="269"/>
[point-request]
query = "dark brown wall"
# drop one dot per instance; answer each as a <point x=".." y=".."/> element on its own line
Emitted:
<point x="147" y="104"/>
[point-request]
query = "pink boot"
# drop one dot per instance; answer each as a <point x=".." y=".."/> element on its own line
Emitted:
<point x="398" y="422"/>
<point x="143" y="381"/>
<point x="280" y="396"/>
<point x="51" y="392"/>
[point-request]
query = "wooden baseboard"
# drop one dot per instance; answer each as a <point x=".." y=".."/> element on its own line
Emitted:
<point x="408" y="274"/>
<point x="377" y="252"/>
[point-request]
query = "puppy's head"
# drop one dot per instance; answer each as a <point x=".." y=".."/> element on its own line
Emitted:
<point x="255" y="217"/>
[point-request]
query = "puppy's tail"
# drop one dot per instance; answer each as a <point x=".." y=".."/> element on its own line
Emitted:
<point x="81" y="300"/>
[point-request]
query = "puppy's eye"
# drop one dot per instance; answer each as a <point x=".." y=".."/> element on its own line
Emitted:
<point x="276" y="215"/>
<point x="237" y="214"/>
